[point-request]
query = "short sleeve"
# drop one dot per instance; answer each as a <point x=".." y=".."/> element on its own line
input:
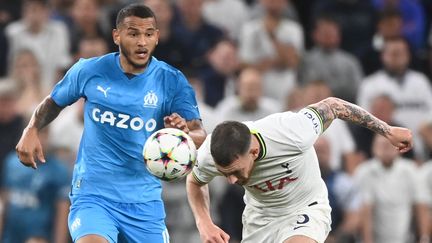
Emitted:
<point x="205" y="169"/>
<point x="184" y="102"/>
<point x="70" y="88"/>
<point x="303" y="127"/>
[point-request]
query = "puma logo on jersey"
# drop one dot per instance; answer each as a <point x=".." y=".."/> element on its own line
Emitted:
<point x="104" y="91"/>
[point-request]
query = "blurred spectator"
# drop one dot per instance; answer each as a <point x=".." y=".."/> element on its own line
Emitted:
<point x="85" y="22"/>
<point x="235" y="13"/>
<point x="194" y="34"/>
<point x="249" y="104"/>
<point x="37" y="240"/>
<point x="294" y="100"/>
<point x="327" y="62"/>
<point x="218" y="76"/>
<point x="48" y="39"/>
<point x="356" y="19"/>
<point x="11" y="121"/>
<point x="426" y="176"/>
<point x="413" y="19"/>
<point x="26" y="72"/>
<point x="169" y="49"/>
<point x="289" y="11"/>
<point x="383" y="107"/>
<point x="208" y="116"/>
<point x="230" y="209"/>
<point x="273" y="45"/>
<point x="426" y="135"/>
<point x="389" y="26"/>
<point x="343" y="196"/>
<point x="9" y="11"/>
<point x="36" y="201"/>
<point x="342" y="146"/>
<point x="59" y="10"/>
<point x="91" y="47"/>
<point x="65" y="133"/>
<point x="179" y="218"/>
<point x="389" y="202"/>
<point x="410" y="90"/>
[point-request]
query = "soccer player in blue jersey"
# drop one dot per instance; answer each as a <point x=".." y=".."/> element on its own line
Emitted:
<point x="128" y="95"/>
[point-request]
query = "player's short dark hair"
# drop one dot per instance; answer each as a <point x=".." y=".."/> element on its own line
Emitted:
<point x="135" y="9"/>
<point x="229" y="140"/>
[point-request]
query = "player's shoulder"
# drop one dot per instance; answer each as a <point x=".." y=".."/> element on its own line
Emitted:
<point x="93" y="64"/>
<point x="165" y="68"/>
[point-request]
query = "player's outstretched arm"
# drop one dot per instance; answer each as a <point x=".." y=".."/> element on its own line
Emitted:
<point x="29" y="148"/>
<point x="199" y="200"/>
<point x="332" y="108"/>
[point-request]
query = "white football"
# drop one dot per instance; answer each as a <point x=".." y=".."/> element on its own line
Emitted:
<point x="169" y="154"/>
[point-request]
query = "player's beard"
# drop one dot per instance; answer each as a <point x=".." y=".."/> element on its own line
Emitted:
<point x="125" y="52"/>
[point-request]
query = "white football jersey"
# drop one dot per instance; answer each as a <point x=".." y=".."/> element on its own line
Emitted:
<point x="286" y="175"/>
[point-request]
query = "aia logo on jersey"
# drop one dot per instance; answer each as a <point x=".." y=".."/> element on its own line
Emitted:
<point x="150" y="99"/>
<point x="276" y="184"/>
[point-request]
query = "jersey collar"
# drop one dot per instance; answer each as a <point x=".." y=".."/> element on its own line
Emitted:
<point x="263" y="147"/>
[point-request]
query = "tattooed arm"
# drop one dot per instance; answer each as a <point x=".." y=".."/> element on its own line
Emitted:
<point x="333" y="108"/>
<point x="29" y="148"/>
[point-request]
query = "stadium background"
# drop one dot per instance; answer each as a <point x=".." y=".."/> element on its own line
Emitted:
<point x="245" y="59"/>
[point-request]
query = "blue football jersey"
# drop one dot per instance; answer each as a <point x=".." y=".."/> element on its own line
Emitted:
<point x="120" y="113"/>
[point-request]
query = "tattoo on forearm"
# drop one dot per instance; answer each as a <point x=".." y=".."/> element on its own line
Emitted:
<point x="333" y="108"/>
<point x="45" y="113"/>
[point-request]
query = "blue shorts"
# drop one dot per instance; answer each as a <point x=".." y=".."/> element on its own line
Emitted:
<point x="135" y="222"/>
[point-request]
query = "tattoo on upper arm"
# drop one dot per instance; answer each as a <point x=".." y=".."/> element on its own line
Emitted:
<point x="46" y="112"/>
<point x="332" y="108"/>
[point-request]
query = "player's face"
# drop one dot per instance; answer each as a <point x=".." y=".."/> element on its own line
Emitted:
<point x="137" y="39"/>
<point x="239" y="171"/>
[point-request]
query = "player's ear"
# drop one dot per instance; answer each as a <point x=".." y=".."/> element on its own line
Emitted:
<point x="254" y="152"/>
<point x="116" y="36"/>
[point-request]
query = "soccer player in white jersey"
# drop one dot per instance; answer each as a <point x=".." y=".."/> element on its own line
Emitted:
<point x="274" y="160"/>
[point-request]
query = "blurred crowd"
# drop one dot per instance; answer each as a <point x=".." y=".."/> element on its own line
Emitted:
<point x="245" y="59"/>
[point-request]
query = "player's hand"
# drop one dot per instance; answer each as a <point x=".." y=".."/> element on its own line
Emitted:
<point x="401" y="138"/>
<point x="210" y="233"/>
<point x="29" y="148"/>
<point x="176" y="121"/>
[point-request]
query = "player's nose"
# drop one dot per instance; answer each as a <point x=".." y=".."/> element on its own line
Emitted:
<point x="142" y="41"/>
<point x="232" y="179"/>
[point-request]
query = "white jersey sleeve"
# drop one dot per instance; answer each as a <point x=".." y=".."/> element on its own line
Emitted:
<point x="300" y="129"/>
<point x="205" y="169"/>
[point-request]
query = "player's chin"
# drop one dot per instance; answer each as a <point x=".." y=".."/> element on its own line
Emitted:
<point x="140" y="62"/>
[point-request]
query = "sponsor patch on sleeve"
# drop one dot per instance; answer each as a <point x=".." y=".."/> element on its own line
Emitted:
<point x="315" y="119"/>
